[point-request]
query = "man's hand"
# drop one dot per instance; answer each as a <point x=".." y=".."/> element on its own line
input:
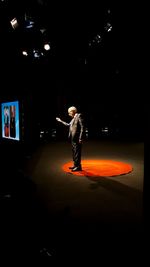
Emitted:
<point x="58" y="119"/>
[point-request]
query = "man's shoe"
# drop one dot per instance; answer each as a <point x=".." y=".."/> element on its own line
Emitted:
<point x="72" y="167"/>
<point x="76" y="169"/>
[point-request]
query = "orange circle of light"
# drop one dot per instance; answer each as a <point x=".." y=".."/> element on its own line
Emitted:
<point x="97" y="168"/>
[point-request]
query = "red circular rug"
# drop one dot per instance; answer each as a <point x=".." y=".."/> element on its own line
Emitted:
<point x="97" y="168"/>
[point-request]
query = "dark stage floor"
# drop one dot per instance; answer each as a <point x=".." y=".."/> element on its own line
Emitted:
<point x="60" y="215"/>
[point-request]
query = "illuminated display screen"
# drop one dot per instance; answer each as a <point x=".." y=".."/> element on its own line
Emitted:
<point x="10" y="120"/>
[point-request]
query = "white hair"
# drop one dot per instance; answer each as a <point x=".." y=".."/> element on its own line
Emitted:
<point x="72" y="109"/>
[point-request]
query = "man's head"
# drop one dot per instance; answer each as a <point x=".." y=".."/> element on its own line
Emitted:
<point x="72" y="111"/>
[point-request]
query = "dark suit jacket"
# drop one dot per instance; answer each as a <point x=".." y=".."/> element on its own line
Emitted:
<point x="76" y="127"/>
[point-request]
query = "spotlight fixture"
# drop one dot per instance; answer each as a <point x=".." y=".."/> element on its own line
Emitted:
<point x="29" y="23"/>
<point x="25" y="53"/>
<point x="108" y="27"/>
<point x="43" y="30"/>
<point x="37" y="53"/>
<point x="96" y="40"/>
<point x="47" y="47"/>
<point x="14" y="23"/>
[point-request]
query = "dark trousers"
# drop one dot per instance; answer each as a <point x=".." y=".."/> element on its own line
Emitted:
<point x="76" y="153"/>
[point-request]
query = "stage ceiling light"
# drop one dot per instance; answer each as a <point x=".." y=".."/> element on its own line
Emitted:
<point x="25" y="53"/>
<point x="47" y="47"/>
<point x="14" y="23"/>
<point x="29" y="23"/>
<point x="108" y="27"/>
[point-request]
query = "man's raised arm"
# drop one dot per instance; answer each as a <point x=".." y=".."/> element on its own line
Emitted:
<point x="63" y="122"/>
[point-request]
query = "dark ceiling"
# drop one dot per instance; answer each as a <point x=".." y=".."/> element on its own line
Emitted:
<point x="68" y="27"/>
<point x="77" y="57"/>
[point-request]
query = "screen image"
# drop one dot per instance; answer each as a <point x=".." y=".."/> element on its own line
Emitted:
<point x="10" y="120"/>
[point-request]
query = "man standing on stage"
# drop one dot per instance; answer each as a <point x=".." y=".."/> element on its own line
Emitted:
<point x="76" y="132"/>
